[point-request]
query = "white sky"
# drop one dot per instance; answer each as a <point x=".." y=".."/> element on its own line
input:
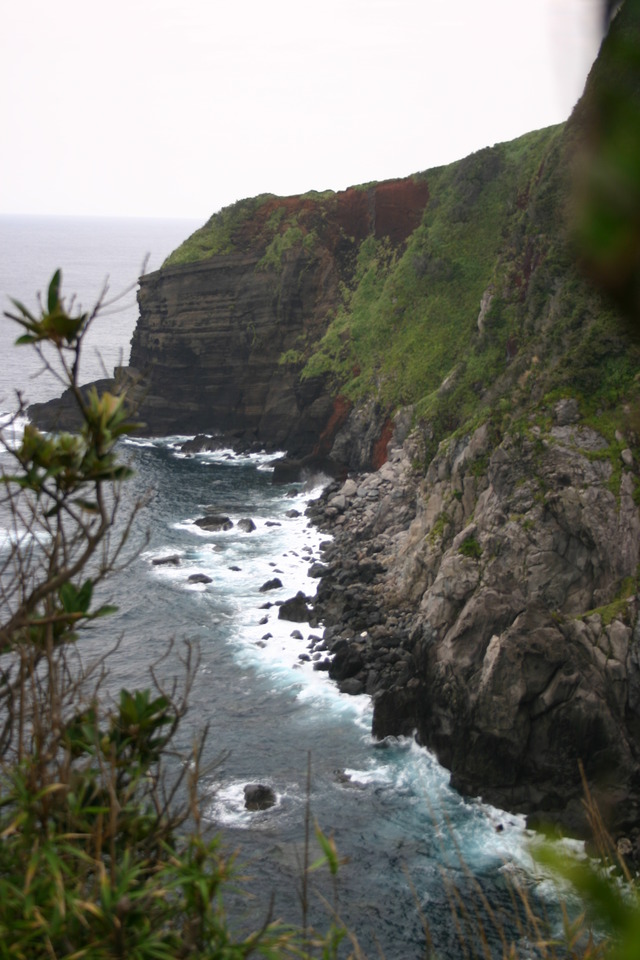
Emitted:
<point x="179" y="107"/>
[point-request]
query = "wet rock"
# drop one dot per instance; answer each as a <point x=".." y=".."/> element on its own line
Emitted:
<point x="295" y="609"/>
<point x="274" y="584"/>
<point x="214" y="522"/>
<point x="246" y="524"/>
<point x="202" y="443"/>
<point x="347" y="661"/>
<point x="258" y="796"/>
<point x="173" y="560"/>
<point x="200" y="578"/>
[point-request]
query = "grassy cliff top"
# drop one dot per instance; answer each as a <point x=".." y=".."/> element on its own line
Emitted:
<point x="391" y="207"/>
<point x="463" y="296"/>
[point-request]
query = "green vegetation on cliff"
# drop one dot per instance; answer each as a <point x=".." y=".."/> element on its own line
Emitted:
<point x="409" y="317"/>
<point x="218" y="235"/>
<point x="481" y="311"/>
<point x="478" y="309"/>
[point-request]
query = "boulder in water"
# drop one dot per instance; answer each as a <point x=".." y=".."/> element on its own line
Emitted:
<point x="173" y="560"/>
<point x="214" y="522"/>
<point x="274" y="584"/>
<point x="200" y="578"/>
<point x="295" y="609"/>
<point x="258" y="796"/>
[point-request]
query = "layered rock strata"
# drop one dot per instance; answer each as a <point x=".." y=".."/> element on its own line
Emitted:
<point x="218" y="339"/>
<point x="477" y="605"/>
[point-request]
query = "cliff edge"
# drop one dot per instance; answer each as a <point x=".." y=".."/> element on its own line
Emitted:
<point x="221" y="336"/>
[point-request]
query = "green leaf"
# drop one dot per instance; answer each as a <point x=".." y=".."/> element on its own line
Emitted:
<point x="328" y="848"/>
<point x="53" y="298"/>
<point x="84" y="595"/>
<point x="74" y="600"/>
<point x="89" y="505"/>
<point x="59" y="324"/>
<point x="68" y="598"/>
<point x="23" y="310"/>
<point x="105" y="611"/>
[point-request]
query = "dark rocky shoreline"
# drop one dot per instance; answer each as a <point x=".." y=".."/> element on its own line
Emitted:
<point x="369" y="642"/>
<point x="456" y="601"/>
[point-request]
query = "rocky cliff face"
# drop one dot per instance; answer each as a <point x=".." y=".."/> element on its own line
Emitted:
<point x="498" y="622"/>
<point x="219" y="339"/>
<point x="209" y="340"/>
<point x="482" y="585"/>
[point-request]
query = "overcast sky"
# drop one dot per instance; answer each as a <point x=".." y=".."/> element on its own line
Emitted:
<point x="178" y="107"/>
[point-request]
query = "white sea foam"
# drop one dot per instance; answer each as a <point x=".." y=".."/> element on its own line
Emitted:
<point x="139" y="442"/>
<point x="239" y="564"/>
<point x="11" y="431"/>
<point x="226" y="805"/>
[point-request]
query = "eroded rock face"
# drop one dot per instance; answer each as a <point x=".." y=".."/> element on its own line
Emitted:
<point x="516" y="687"/>
<point x="209" y="339"/>
<point x="490" y="646"/>
<point x="212" y="335"/>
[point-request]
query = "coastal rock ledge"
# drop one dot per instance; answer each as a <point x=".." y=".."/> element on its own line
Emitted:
<point x="483" y="606"/>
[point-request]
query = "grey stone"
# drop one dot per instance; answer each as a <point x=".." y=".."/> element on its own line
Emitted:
<point x="274" y="584"/>
<point x="200" y="578"/>
<point x="566" y="411"/>
<point x="246" y="525"/>
<point x="295" y="609"/>
<point x="214" y="522"/>
<point x="258" y="796"/>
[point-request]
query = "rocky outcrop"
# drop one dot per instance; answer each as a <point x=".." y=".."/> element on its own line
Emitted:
<point x="208" y="342"/>
<point x="489" y="607"/>
<point x="218" y="340"/>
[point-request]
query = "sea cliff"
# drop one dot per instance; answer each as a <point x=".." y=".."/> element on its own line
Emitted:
<point x="490" y="606"/>
<point x="219" y="339"/>
<point x="452" y="346"/>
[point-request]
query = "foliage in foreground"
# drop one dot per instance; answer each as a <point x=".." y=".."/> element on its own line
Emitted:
<point x="103" y="852"/>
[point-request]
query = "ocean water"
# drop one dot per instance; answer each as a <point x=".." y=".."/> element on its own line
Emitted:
<point x="405" y="835"/>
<point x="97" y="257"/>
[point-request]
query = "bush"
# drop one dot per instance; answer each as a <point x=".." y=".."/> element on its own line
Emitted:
<point x="470" y="548"/>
